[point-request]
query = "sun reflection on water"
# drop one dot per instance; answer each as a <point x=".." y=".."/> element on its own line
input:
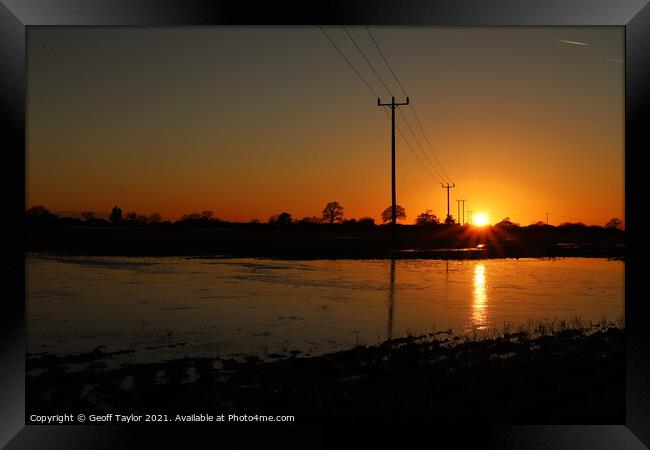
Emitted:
<point x="479" y="298"/>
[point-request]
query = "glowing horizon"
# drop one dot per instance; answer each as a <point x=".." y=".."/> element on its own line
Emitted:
<point x="249" y="122"/>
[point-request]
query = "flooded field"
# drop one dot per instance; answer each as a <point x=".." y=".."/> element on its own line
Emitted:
<point x="166" y="308"/>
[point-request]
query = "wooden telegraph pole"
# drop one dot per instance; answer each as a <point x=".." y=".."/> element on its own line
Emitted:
<point x="448" y="187"/>
<point x="393" y="106"/>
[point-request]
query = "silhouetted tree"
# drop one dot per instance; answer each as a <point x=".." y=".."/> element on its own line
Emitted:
<point x="427" y="219"/>
<point x="193" y="217"/>
<point x="88" y="215"/>
<point x="333" y="212"/>
<point x="387" y="214"/>
<point x="155" y="218"/>
<point x="614" y="224"/>
<point x="38" y="211"/>
<point x="40" y="214"/>
<point x="449" y="220"/>
<point x="116" y="215"/>
<point x="284" y="218"/>
<point x="310" y="220"/>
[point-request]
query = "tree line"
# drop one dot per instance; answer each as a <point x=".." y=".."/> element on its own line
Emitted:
<point x="332" y="213"/>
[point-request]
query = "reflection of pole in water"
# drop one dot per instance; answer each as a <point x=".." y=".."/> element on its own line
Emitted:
<point x="391" y="299"/>
<point x="446" y="279"/>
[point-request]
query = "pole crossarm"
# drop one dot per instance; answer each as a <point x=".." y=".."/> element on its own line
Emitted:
<point x="392" y="103"/>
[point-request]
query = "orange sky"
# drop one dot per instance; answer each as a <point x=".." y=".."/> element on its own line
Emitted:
<point x="251" y="121"/>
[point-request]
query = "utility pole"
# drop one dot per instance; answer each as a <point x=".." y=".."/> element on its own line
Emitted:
<point x="463" y="201"/>
<point x="546" y="218"/>
<point x="448" y="187"/>
<point x="393" y="106"/>
<point x="458" y="202"/>
<point x="469" y="216"/>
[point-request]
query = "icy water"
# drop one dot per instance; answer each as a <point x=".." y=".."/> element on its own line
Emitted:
<point x="165" y="308"/>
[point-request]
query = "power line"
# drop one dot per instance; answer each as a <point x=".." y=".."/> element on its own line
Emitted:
<point x="415" y="154"/>
<point x="385" y="60"/>
<point x="408" y="144"/>
<point x="390" y="68"/>
<point x="354" y="69"/>
<point x="390" y="92"/>
<point x="420" y="145"/>
<point x="417" y="119"/>
<point x="381" y="80"/>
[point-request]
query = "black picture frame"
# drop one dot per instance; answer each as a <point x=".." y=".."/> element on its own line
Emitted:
<point x="634" y="15"/>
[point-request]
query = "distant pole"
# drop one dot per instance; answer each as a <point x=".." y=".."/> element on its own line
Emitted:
<point x="448" y="187"/>
<point x="469" y="216"/>
<point x="458" y="203"/>
<point x="546" y="218"/>
<point x="463" y="201"/>
<point x="393" y="105"/>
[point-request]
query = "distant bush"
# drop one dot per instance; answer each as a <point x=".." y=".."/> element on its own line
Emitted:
<point x="39" y="215"/>
<point x="506" y="224"/>
<point x="284" y="218"/>
<point x="614" y="224"/>
<point x="313" y="220"/>
<point x="539" y="226"/>
<point x="367" y="222"/>
<point x="569" y="226"/>
<point x="116" y="215"/>
<point x="204" y="218"/>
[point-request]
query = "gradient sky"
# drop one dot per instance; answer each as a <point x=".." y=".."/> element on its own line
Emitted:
<point x="251" y="121"/>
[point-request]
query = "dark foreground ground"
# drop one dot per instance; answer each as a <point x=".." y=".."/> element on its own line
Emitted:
<point x="323" y="241"/>
<point x="571" y="376"/>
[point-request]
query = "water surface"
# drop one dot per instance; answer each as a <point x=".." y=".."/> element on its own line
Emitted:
<point x="165" y="308"/>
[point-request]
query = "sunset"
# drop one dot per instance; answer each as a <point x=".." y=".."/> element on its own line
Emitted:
<point x="325" y="223"/>
<point x="250" y="122"/>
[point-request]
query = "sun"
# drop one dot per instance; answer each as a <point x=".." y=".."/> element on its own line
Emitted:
<point x="481" y="219"/>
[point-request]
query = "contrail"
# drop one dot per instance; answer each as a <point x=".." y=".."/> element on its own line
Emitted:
<point x="584" y="44"/>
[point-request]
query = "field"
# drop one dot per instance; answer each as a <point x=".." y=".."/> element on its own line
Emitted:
<point x="322" y="241"/>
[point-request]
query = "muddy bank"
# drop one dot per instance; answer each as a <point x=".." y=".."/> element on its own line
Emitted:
<point x="570" y="376"/>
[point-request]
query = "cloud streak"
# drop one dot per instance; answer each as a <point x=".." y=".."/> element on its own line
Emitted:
<point x="583" y="44"/>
